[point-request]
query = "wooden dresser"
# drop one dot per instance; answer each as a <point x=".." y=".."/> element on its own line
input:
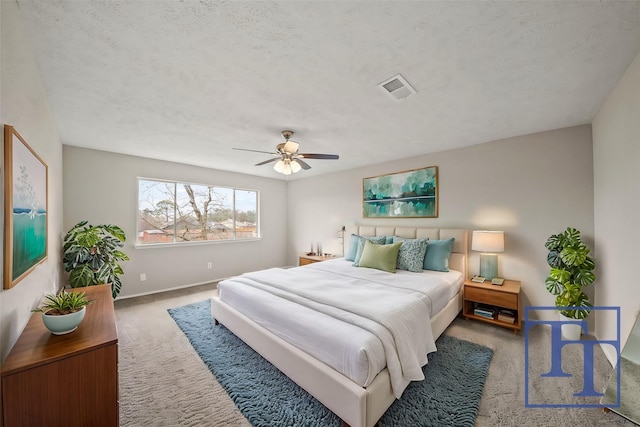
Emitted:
<point x="65" y="380"/>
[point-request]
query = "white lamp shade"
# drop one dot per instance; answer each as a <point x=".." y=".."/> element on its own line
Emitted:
<point x="279" y="166"/>
<point x="287" y="166"/>
<point x="488" y="241"/>
<point x="290" y="147"/>
<point x="295" y="166"/>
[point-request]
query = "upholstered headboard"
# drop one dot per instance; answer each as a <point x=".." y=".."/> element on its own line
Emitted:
<point x="459" y="256"/>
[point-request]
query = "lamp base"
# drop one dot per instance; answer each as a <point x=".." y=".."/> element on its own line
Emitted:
<point x="489" y="266"/>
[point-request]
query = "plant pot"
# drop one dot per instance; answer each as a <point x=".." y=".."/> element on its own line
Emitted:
<point x="571" y="331"/>
<point x="60" y="325"/>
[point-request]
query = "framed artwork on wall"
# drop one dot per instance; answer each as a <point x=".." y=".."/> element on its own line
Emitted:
<point x="408" y="194"/>
<point x="25" y="204"/>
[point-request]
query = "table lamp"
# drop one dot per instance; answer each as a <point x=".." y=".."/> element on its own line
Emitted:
<point x="488" y="242"/>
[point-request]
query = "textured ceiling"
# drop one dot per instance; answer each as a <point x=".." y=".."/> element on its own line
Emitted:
<point x="187" y="81"/>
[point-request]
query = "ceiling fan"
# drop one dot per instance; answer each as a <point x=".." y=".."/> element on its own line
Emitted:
<point x="287" y="158"/>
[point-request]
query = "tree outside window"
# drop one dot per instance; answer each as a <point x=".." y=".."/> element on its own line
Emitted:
<point x="174" y="212"/>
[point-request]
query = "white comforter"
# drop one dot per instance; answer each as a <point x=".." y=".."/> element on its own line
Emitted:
<point x="369" y="299"/>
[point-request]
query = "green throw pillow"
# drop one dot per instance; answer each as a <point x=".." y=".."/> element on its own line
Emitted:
<point x="438" y="253"/>
<point x="381" y="257"/>
<point x="380" y="240"/>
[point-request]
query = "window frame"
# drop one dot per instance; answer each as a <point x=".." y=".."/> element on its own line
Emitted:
<point x="175" y="243"/>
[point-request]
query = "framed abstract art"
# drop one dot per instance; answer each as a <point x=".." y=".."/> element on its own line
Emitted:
<point x="408" y="194"/>
<point x="25" y="204"/>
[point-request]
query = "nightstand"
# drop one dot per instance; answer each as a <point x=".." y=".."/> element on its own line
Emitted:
<point x="496" y="298"/>
<point x="310" y="259"/>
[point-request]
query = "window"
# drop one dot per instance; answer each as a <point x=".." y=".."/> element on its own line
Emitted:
<point x="177" y="212"/>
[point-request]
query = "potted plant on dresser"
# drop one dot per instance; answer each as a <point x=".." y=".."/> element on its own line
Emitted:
<point x="571" y="271"/>
<point x="92" y="255"/>
<point x="62" y="313"/>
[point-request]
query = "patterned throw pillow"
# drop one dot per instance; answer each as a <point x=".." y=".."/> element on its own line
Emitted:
<point x="380" y="240"/>
<point x="411" y="256"/>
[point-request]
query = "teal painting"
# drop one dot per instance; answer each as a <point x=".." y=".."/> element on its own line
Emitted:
<point x="26" y="208"/>
<point x="408" y="194"/>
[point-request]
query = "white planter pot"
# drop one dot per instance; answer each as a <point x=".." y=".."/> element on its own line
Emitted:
<point x="64" y="324"/>
<point x="570" y="331"/>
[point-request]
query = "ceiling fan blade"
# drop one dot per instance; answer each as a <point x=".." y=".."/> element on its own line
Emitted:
<point x="267" y="161"/>
<point x="304" y="165"/>
<point x="255" y="151"/>
<point x="319" y="156"/>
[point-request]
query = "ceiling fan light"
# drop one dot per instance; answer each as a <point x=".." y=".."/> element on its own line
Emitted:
<point x="291" y="147"/>
<point x="279" y="166"/>
<point x="287" y="159"/>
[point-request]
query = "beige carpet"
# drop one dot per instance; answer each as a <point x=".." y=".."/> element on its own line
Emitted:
<point x="163" y="382"/>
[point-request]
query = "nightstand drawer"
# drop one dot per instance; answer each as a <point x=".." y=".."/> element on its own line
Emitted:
<point x="488" y="296"/>
<point x="305" y="261"/>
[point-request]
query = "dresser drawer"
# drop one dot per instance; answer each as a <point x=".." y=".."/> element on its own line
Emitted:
<point x="488" y="296"/>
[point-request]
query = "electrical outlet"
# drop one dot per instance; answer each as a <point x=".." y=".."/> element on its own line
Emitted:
<point x="143" y="277"/>
<point x="209" y="264"/>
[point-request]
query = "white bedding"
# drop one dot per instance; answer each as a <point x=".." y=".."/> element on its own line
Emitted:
<point x="357" y="347"/>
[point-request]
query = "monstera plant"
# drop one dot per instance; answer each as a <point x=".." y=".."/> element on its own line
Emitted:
<point x="571" y="271"/>
<point x="92" y="255"/>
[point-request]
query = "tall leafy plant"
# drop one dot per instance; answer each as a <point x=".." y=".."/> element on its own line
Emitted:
<point x="571" y="271"/>
<point x="92" y="255"/>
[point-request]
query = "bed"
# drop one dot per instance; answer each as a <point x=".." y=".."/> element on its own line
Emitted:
<point x="357" y="386"/>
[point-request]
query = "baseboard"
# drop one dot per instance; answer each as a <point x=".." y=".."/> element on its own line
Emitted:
<point x="176" y="288"/>
<point x="610" y="353"/>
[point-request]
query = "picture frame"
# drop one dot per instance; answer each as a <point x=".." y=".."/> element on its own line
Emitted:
<point x="407" y="194"/>
<point x="26" y="186"/>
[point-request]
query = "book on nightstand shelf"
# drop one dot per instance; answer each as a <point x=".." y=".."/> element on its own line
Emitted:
<point x="483" y="313"/>
<point x="507" y="316"/>
<point x="486" y="311"/>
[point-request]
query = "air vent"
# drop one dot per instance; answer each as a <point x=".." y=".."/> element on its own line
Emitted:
<point x="397" y="87"/>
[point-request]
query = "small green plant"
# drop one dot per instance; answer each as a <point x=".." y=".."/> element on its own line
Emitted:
<point x="63" y="303"/>
<point x="571" y="270"/>
<point x="92" y="255"/>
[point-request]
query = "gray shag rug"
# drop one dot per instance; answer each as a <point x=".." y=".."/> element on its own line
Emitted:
<point x="450" y="396"/>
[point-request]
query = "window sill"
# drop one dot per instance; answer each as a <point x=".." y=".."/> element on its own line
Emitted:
<point x="196" y="243"/>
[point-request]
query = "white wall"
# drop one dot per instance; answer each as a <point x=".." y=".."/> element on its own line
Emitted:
<point x="101" y="187"/>
<point x="24" y="105"/>
<point x="616" y="148"/>
<point x="530" y="186"/>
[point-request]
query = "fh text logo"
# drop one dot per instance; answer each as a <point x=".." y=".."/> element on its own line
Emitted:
<point x="541" y="379"/>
